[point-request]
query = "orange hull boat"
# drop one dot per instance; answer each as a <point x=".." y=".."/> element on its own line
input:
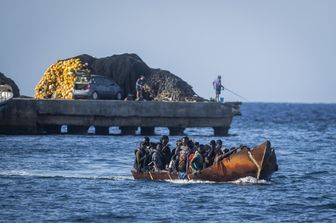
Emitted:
<point x="259" y="162"/>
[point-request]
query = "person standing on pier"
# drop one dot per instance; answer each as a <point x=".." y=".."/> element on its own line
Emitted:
<point x="139" y="86"/>
<point x="217" y="84"/>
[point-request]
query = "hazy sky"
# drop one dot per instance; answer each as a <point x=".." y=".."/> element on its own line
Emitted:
<point x="271" y="51"/>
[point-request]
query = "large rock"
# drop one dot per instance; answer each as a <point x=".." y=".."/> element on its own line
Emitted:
<point x="11" y="83"/>
<point x="166" y="86"/>
<point x="125" y="69"/>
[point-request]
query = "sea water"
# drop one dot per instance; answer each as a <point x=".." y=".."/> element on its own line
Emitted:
<point x="69" y="178"/>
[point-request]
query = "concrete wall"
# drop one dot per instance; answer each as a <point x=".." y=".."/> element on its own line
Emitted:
<point x="32" y="116"/>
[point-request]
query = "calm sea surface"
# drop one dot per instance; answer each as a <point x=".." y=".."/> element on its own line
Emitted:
<point x="68" y="178"/>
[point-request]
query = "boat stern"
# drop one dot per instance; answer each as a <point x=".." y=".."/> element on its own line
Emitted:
<point x="269" y="164"/>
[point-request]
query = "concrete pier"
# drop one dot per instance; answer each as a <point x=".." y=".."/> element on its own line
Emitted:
<point x="31" y="116"/>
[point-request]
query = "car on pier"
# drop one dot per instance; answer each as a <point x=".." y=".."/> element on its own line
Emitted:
<point x="6" y="93"/>
<point x="96" y="87"/>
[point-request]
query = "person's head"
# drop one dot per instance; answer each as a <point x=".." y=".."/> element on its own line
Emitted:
<point x="164" y="139"/>
<point x="212" y="143"/>
<point x="185" y="140"/>
<point x="178" y="142"/>
<point x="195" y="146"/>
<point x="207" y="148"/>
<point x="191" y="144"/>
<point x="146" y="141"/>
<point x="158" y="147"/>
<point x="219" y="77"/>
<point x="142" y="77"/>
<point x="201" y="149"/>
<point x="219" y="143"/>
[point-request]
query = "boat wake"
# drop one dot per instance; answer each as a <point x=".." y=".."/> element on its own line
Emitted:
<point x="249" y="181"/>
<point x="181" y="181"/>
<point x="62" y="174"/>
<point x="241" y="181"/>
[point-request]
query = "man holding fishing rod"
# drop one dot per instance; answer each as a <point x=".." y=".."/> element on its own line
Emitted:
<point x="217" y="84"/>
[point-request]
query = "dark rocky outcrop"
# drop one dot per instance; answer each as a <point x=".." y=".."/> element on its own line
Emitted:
<point x="166" y="86"/>
<point x="11" y="83"/>
<point x="125" y="69"/>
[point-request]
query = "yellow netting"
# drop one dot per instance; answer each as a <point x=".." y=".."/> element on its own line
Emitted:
<point x="58" y="80"/>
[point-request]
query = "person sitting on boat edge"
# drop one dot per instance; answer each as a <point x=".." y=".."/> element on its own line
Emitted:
<point x="197" y="163"/>
<point x="143" y="154"/>
<point x="146" y="141"/>
<point x="141" y="158"/>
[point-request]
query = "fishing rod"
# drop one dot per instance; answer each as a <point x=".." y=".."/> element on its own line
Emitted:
<point x="235" y="93"/>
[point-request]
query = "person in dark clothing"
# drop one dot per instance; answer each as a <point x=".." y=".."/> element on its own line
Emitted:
<point x="209" y="155"/>
<point x="212" y="153"/>
<point x="146" y="141"/>
<point x="178" y="144"/>
<point x="173" y="165"/>
<point x="165" y="150"/>
<point x="196" y="145"/>
<point x="141" y="158"/>
<point x="139" y="87"/>
<point x="218" y="149"/>
<point x="157" y="159"/>
<point x="191" y="145"/>
<point x="148" y="144"/>
<point x="213" y="145"/>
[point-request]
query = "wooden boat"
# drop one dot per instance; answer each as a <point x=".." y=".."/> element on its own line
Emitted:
<point x="259" y="162"/>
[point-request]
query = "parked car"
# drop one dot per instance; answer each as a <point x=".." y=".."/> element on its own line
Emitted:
<point x="96" y="87"/>
<point x="6" y="93"/>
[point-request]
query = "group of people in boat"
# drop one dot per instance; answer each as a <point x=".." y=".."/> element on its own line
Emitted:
<point x="187" y="157"/>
